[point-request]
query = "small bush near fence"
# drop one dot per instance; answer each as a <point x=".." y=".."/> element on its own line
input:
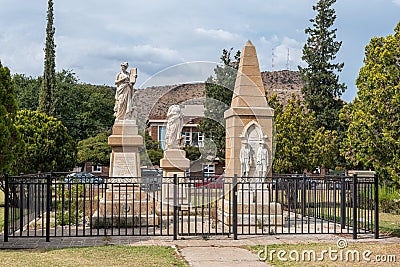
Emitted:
<point x="389" y="200"/>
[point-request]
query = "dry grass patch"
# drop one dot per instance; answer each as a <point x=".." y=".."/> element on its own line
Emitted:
<point x="93" y="256"/>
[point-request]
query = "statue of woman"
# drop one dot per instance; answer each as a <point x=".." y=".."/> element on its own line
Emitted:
<point x="123" y="108"/>
<point x="174" y="127"/>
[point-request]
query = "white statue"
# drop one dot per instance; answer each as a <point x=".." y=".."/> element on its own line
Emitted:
<point x="245" y="159"/>
<point x="124" y="81"/>
<point x="174" y="127"/>
<point x="262" y="160"/>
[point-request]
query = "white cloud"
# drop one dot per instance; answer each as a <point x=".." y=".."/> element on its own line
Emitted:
<point x="218" y="34"/>
<point x="188" y="72"/>
<point x="93" y="37"/>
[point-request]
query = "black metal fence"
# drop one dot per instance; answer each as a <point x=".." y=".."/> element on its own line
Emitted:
<point x="48" y="205"/>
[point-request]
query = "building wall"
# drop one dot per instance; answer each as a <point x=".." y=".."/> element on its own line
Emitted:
<point x="89" y="168"/>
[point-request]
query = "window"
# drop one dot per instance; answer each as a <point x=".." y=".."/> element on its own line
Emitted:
<point x="200" y="139"/>
<point x="97" y="168"/>
<point x="208" y="170"/>
<point x="187" y="139"/>
<point x="161" y="136"/>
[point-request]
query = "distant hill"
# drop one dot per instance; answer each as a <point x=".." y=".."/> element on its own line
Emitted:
<point x="284" y="83"/>
<point x="153" y="102"/>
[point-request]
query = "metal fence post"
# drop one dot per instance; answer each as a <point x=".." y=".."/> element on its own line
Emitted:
<point x="48" y="206"/>
<point x="343" y="203"/>
<point x="6" y="207"/>
<point x="303" y="198"/>
<point x="235" y="206"/>
<point x="354" y="197"/>
<point x="376" y="206"/>
<point x="176" y="207"/>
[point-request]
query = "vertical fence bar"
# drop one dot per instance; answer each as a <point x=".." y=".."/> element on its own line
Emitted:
<point x="176" y="207"/>
<point x="21" y="206"/>
<point x="303" y="200"/>
<point x="354" y="196"/>
<point x="48" y="206"/>
<point x="376" y="206"/>
<point x="6" y="208"/>
<point x="235" y="206"/>
<point x="343" y="203"/>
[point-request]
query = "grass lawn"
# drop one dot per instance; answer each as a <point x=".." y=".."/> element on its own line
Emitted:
<point x="93" y="256"/>
<point x="389" y="224"/>
<point x="1" y="198"/>
<point x="390" y="254"/>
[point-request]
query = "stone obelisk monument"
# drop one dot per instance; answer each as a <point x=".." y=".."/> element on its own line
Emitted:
<point x="249" y="130"/>
<point x="249" y="121"/>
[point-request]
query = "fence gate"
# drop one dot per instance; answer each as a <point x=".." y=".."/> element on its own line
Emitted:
<point x="56" y="205"/>
<point x="204" y="206"/>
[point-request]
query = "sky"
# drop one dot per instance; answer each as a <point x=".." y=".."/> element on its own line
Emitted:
<point x="172" y="41"/>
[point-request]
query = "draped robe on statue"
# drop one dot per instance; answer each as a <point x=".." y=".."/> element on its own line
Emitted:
<point x="123" y="97"/>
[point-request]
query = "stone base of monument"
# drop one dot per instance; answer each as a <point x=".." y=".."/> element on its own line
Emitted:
<point x="125" y="206"/>
<point x="253" y="209"/>
<point x="125" y="142"/>
<point x="173" y="163"/>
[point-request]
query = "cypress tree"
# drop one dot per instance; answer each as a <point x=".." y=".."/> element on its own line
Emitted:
<point x="46" y="94"/>
<point x="322" y="89"/>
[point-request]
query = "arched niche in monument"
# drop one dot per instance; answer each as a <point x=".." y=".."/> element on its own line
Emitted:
<point x="253" y="136"/>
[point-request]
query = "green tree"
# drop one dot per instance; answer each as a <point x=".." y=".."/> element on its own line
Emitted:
<point x="151" y="154"/>
<point x="373" y="137"/>
<point x="84" y="109"/>
<point x="47" y="144"/>
<point x="9" y="137"/>
<point x="219" y="91"/>
<point x="294" y="131"/>
<point x="299" y="145"/>
<point x="322" y="88"/>
<point x="95" y="149"/>
<point x="325" y="149"/>
<point x="46" y="94"/>
<point x="27" y="91"/>
<point x="192" y="153"/>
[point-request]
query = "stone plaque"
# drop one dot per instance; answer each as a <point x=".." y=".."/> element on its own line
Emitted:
<point x="133" y="75"/>
<point x="125" y="165"/>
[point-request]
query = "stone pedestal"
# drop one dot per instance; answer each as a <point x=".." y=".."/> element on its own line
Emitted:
<point x="124" y="204"/>
<point x="125" y="142"/>
<point x="173" y="162"/>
